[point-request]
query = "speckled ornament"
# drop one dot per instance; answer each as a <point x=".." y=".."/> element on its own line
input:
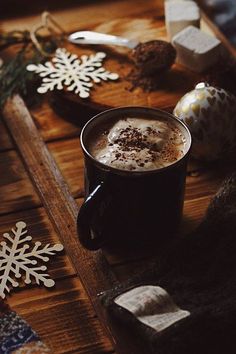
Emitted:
<point x="210" y="114"/>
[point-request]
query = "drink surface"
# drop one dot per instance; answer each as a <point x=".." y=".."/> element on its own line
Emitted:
<point x="138" y="144"/>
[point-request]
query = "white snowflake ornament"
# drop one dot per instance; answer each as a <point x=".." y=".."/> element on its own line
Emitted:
<point x="18" y="259"/>
<point x="77" y="74"/>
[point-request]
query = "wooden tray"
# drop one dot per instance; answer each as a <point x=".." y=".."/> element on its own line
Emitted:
<point x="171" y="88"/>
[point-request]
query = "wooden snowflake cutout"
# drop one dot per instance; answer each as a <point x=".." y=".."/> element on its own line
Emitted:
<point x="17" y="259"/>
<point x="77" y="74"/>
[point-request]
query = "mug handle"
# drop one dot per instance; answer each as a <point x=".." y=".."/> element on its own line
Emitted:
<point x="93" y="207"/>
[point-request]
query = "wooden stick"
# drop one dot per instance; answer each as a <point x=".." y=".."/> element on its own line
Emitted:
<point x="91" y="267"/>
<point x="229" y="46"/>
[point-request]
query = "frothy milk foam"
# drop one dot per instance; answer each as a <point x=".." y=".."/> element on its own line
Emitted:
<point x="138" y="144"/>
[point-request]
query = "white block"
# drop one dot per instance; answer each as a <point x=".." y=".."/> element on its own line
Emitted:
<point x="195" y="49"/>
<point x="180" y="14"/>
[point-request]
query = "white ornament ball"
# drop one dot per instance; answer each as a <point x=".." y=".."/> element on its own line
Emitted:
<point x="210" y="114"/>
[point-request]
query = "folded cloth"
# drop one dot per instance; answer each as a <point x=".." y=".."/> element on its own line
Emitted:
<point x="186" y="303"/>
<point x="16" y="336"/>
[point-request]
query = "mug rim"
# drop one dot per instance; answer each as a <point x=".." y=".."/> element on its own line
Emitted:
<point x="128" y="172"/>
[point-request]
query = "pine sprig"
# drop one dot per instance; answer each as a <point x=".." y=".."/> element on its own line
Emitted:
<point x="13" y="74"/>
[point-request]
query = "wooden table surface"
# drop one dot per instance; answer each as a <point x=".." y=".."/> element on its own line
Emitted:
<point x="64" y="316"/>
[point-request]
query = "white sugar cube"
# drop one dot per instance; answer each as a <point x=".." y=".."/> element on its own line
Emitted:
<point x="195" y="49"/>
<point x="180" y="14"/>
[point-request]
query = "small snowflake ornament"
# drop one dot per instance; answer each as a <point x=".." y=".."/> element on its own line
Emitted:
<point x="17" y="259"/>
<point x="77" y="74"/>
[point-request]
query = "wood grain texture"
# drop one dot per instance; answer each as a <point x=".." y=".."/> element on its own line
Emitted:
<point x="53" y="125"/>
<point x="86" y="14"/>
<point x="64" y="316"/>
<point x="92" y="268"/>
<point x="16" y="189"/>
<point x="5" y="140"/>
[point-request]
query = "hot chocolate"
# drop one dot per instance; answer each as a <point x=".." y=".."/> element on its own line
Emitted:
<point x="138" y="144"/>
<point x="126" y="150"/>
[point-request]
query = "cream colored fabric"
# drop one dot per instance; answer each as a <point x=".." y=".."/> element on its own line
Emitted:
<point x="151" y="305"/>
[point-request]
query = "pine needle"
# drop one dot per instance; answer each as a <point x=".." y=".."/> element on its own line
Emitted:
<point x="13" y="74"/>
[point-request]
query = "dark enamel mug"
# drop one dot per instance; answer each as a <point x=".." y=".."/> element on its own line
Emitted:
<point x="130" y="207"/>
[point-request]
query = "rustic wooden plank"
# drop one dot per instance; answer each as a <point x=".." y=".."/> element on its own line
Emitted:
<point x="16" y="190"/>
<point x="63" y="317"/>
<point x="51" y="123"/>
<point x="5" y="140"/>
<point x="194" y="211"/>
<point x="62" y="210"/>
<point x="55" y="121"/>
<point x="69" y="157"/>
<point x="14" y="179"/>
<point x="206" y="181"/>
<point x="87" y="14"/>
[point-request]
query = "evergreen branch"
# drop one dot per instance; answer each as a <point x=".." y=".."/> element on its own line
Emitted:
<point x="13" y="74"/>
